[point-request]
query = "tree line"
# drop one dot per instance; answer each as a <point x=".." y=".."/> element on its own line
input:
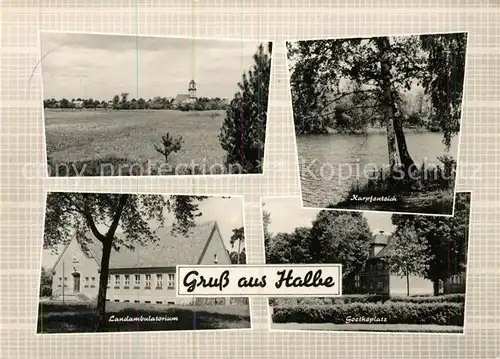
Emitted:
<point x="122" y="102"/>
<point x="433" y="247"/>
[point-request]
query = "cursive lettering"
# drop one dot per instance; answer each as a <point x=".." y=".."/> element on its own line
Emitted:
<point x="221" y="282"/>
<point x="311" y="279"/>
<point x="252" y="282"/>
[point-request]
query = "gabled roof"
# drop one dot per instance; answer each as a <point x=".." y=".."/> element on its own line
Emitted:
<point x="380" y="238"/>
<point x="169" y="251"/>
<point x="384" y="240"/>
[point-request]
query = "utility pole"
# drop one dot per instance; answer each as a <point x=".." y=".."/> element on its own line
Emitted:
<point x="63" y="282"/>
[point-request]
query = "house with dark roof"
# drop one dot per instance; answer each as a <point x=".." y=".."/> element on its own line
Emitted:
<point x="143" y="274"/>
<point x="376" y="278"/>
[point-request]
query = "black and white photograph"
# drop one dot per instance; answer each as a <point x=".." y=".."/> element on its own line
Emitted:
<point x="109" y="262"/>
<point x="117" y="105"/>
<point x="400" y="272"/>
<point x="377" y="121"/>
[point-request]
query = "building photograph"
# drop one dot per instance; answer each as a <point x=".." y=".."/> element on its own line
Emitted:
<point x="101" y="277"/>
<point x="400" y="272"/>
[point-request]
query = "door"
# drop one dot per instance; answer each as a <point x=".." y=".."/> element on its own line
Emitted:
<point x="76" y="282"/>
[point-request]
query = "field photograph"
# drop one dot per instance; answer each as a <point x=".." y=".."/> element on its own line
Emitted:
<point x="377" y="121"/>
<point x="400" y="272"/>
<point x="109" y="262"/>
<point x="139" y="106"/>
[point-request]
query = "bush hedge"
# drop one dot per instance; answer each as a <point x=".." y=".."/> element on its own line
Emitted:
<point x="366" y="298"/>
<point x="390" y="313"/>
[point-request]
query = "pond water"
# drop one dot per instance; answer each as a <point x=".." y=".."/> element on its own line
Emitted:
<point x="330" y="164"/>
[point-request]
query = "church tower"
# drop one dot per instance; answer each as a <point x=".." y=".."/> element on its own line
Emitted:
<point x="192" y="90"/>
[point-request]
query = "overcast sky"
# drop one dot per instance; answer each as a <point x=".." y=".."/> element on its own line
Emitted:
<point x="287" y="214"/>
<point x="228" y="212"/>
<point x="100" y="66"/>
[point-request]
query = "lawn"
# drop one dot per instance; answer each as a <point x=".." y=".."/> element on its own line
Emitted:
<point x="79" y="317"/>
<point x="411" y="328"/>
<point x="83" y="135"/>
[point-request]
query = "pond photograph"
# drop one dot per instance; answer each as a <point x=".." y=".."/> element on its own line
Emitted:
<point x="377" y="121"/>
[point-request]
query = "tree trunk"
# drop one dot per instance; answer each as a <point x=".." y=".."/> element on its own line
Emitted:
<point x="103" y="284"/>
<point x="407" y="284"/>
<point x="404" y="155"/>
<point x="387" y="101"/>
<point x="239" y="247"/>
<point x="435" y="284"/>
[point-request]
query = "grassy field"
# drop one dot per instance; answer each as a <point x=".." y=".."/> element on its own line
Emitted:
<point x="79" y="317"/>
<point x="82" y="135"/>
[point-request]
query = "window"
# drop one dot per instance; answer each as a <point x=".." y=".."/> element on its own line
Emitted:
<point x="117" y="281"/>
<point x="159" y="281"/>
<point x="456" y="279"/>
<point x="86" y="283"/>
<point x="127" y="281"/>
<point x="215" y="258"/>
<point x="60" y="282"/>
<point x="147" y="301"/>
<point x="356" y="281"/>
<point x="137" y="281"/>
<point x="380" y="285"/>
<point x="148" y="280"/>
<point x="159" y="302"/>
<point x="441" y="286"/>
<point x="65" y="280"/>
<point x="371" y="285"/>
<point x="109" y="280"/>
<point x="93" y="283"/>
<point x="75" y="257"/>
<point x="171" y="280"/>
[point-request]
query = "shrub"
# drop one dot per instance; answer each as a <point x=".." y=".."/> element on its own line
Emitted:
<point x="314" y="301"/>
<point x="345" y="299"/>
<point x="448" y="298"/>
<point x="366" y="298"/>
<point x="276" y="302"/>
<point x="238" y="301"/>
<point x="394" y="313"/>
